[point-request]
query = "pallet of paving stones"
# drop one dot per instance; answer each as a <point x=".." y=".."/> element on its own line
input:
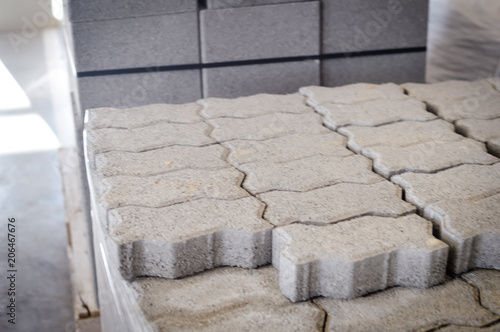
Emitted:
<point x="357" y="208"/>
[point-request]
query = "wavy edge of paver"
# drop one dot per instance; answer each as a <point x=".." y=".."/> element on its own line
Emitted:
<point x="347" y="279"/>
<point x="487" y="282"/>
<point x="493" y="147"/>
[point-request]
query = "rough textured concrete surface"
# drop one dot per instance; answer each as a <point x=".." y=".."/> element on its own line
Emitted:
<point x="464" y="204"/>
<point x="226" y="299"/>
<point x="335" y="203"/>
<point x="247" y="107"/>
<point x="287" y="148"/>
<point x="481" y="130"/>
<point x="169" y="159"/>
<point x="170" y="188"/>
<point x="360" y="256"/>
<point x="456" y="328"/>
<point x="219" y="4"/>
<point x="449" y="90"/>
<point x="147" y="138"/>
<point x="307" y="173"/>
<point x="487" y="281"/>
<point x="494" y="147"/>
<point x="183" y="239"/>
<point x="473" y="107"/>
<point x="142" y="116"/>
<point x="408" y="309"/>
<point x="266" y="126"/>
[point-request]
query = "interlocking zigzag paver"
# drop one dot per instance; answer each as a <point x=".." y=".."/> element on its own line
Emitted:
<point x="266" y="126"/>
<point x="142" y="116"/>
<point x="307" y="173"/>
<point x="183" y="239"/>
<point x="247" y="107"/>
<point x="448" y="90"/>
<point x="334" y="203"/>
<point x="158" y="161"/>
<point x="494" y="147"/>
<point x="170" y="188"/>
<point x="487" y="281"/>
<point x="481" y="130"/>
<point x="226" y="299"/>
<point x="408" y="309"/>
<point x="356" y="257"/>
<point x="287" y="148"/>
<point x="468" y="108"/>
<point x="352" y="93"/>
<point x="148" y="138"/>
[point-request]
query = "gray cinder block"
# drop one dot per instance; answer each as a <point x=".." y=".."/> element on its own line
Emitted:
<point x="277" y="78"/>
<point x="136" y="42"/>
<point x="219" y="4"/>
<point x="396" y="68"/>
<point x="351" y="26"/>
<point x="282" y="30"/>
<point x="129" y="90"/>
<point x="353" y="258"/>
<point x="94" y="10"/>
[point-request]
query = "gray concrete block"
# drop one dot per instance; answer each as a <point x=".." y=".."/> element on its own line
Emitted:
<point x="150" y="137"/>
<point x="169" y="159"/>
<point x="247" y="107"/>
<point x="478" y="129"/>
<point x="335" y="203"/>
<point x="183" y="239"/>
<point x="260" y="32"/>
<point x="276" y="78"/>
<point x="359" y="25"/>
<point x="219" y="4"/>
<point x="307" y="173"/>
<point x="396" y="68"/>
<point x="356" y="257"/>
<point x="129" y="90"/>
<point x="408" y="309"/>
<point x="226" y="299"/>
<point x="94" y="10"/>
<point x="487" y="282"/>
<point x="286" y="148"/>
<point x="171" y="188"/>
<point x="149" y="41"/>
<point x="494" y="147"/>
<point x="266" y="126"/>
<point x="142" y="116"/>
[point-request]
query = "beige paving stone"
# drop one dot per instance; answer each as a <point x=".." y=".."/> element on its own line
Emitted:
<point x="356" y="257"/>
<point x="495" y="81"/>
<point x="170" y="188"/>
<point x="142" y="116"/>
<point x="183" y="239"/>
<point x="408" y="309"/>
<point x="455" y="328"/>
<point x="266" y="126"/>
<point x="488" y="282"/>
<point x="334" y="203"/>
<point x="352" y="93"/>
<point x="287" y="148"/>
<point x="481" y="130"/>
<point x="307" y="173"/>
<point x="482" y="107"/>
<point x="148" y="138"/>
<point x="494" y="147"/>
<point x="373" y="113"/>
<point x="246" y="107"/>
<point x="225" y="299"/>
<point x="448" y="90"/>
<point x="159" y="161"/>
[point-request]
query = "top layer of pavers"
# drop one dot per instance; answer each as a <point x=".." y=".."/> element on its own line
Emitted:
<point x="481" y="130"/>
<point x="448" y="90"/>
<point x="247" y="107"/>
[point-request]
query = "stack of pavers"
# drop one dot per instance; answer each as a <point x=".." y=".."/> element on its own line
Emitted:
<point x="358" y="208"/>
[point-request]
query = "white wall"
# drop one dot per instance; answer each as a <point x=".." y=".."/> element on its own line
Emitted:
<point x="15" y="13"/>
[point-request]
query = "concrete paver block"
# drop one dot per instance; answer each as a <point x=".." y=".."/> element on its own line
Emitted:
<point x="487" y="282"/>
<point x="335" y="203"/>
<point x="247" y="107"/>
<point x="473" y="107"/>
<point x="356" y="257"/>
<point x="494" y="147"/>
<point x="456" y="328"/>
<point x="225" y="299"/>
<point x="481" y="130"/>
<point x="448" y="90"/>
<point x="219" y="4"/>
<point x="169" y="159"/>
<point x="352" y="94"/>
<point x="287" y="148"/>
<point x="266" y="126"/>
<point x="142" y="116"/>
<point x="183" y="239"/>
<point x="408" y="309"/>
<point x="170" y="188"/>
<point x="147" y="138"/>
<point x="307" y="173"/>
<point x="245" y="80"/>
<point x="373" y="113"/>
<point x="260" y="32"/>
